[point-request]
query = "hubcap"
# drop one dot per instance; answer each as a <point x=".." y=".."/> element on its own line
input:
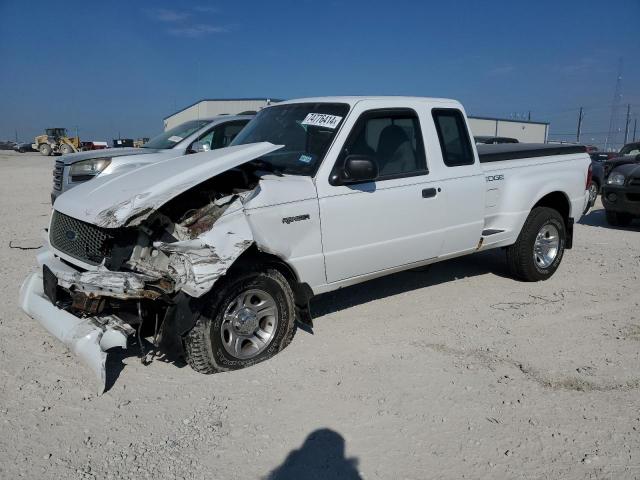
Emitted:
<point x="593" y="192"/>
<point x="249" y="324"/>
<point x="546" y="246"/>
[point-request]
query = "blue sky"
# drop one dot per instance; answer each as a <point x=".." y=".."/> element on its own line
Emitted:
<point x="119" y="66"/>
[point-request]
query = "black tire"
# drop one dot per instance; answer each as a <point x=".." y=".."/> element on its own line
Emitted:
<point x="618" y="219"/>
<point x="22" y="150"/>
<point x="204" y="347"/>
<point x="45" y="149"/>
<point x="520" y="256"/>
<point x="594" y="190"/>
<point x="66" y="149"/>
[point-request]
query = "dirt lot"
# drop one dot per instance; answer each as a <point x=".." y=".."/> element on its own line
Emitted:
<point x="457" y="372"/>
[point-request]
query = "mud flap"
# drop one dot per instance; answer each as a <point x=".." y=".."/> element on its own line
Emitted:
<point x="87" y="338"/>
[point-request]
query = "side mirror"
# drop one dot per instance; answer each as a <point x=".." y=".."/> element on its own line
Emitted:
<point x="197" y="147"/>
<point x="359" y="168"/>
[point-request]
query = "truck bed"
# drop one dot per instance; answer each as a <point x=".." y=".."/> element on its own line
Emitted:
<point x="514" y="151"/>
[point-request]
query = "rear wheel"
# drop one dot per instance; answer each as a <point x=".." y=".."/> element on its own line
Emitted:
<point x="618" y="219"/>
<point x="247" y="319"/>
<point x="45" y="149"/>
<point x="539" y="248"/>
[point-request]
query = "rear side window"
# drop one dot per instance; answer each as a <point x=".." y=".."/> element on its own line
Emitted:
<point x="453" y="136"/>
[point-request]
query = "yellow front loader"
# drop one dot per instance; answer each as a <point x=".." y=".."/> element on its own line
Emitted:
<point x="56" y="140"/>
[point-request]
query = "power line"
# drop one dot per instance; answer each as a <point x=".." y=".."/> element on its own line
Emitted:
<point x="614" y="105"/>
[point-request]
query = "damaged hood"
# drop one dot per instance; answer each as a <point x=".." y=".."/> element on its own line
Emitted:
<point x="127" y="197"/>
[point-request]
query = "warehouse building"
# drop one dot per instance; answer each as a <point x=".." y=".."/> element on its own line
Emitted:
<point x="523" y="131"/>
<point x="208" y="108"/>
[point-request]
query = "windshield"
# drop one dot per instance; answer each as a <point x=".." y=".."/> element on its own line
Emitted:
<point x="631" y="149"/>
<point x="170" y="138"/>
<point x="305" y="129"/>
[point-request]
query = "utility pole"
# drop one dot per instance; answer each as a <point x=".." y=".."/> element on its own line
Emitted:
<point x="580" y="116"/>
<point x="529" y="116"/>
<point x="635" y="125"/>
<point x="17" y="135"/>
<point x="626" y="127"/>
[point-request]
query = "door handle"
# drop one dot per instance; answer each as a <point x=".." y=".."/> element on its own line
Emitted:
<point x="428" y="193"/>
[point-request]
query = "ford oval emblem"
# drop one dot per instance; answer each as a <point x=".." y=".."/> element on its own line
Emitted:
<point x="71" y="235"/>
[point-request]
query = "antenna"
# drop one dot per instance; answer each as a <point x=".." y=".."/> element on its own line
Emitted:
<point x="615" y="105"/>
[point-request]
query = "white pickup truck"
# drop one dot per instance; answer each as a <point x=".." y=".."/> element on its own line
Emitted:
<point x="217" y="254"/>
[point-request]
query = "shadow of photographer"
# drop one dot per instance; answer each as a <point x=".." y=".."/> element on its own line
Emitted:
<point x="321" y="456"/>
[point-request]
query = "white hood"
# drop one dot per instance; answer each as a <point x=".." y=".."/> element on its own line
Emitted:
<point x="127" y="197"/>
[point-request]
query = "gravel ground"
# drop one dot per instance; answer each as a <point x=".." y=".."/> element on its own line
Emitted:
<point x="456" y="372"/>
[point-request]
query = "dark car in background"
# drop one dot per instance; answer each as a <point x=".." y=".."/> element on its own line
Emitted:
<point x="488" y="140"/>
<point x="23" y="147"/>
<point x="621" y="190"/>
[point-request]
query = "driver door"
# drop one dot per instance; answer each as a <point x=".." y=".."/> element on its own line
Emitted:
<point x="392" y="221"/>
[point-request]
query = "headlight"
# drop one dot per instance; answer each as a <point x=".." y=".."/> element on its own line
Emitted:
<point x="87" y="169"/>
<point x="615" y="179"/>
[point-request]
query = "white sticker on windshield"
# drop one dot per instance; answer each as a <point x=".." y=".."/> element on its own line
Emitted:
<point x="322" y="120"/>
<point x="175" y="139"/>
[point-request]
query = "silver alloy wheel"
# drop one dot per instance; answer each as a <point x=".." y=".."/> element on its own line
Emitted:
<point x="546" y="246"/>
<point x="593" y="192"/>
<point x="249" y="324"/>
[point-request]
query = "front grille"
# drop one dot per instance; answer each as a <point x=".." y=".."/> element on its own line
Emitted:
<point x="80" y="240"/>
<point x="633" y="197"/>
<point x="58" y="171"/>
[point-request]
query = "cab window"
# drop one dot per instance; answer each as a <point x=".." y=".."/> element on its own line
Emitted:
<point x="222" y="135"/>
<point x="393" y="139"/>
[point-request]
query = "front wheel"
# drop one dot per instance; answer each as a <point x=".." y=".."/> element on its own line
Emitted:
<point x="593" y="196"/>
<point x="66" y="149"/>
<point x="248" y="318"/>
<point x="539" y="248"/>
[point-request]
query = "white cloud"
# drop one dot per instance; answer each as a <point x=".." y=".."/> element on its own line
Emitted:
<point x="194" y="31"/>
<point x="502" y="70"/>
<point x="166" y="15"/>
<point x="182" y="23"/>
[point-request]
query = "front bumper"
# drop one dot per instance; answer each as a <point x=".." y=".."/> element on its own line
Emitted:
<point x="89" y="338"/>
<point x="624" y="199"/>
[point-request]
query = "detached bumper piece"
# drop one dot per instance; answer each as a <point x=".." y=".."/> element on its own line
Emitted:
<point x="88" y="338"/>
<point x="70" y="305"/>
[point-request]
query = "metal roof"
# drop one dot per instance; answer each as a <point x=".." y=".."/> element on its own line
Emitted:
<point x="224" y="100"/>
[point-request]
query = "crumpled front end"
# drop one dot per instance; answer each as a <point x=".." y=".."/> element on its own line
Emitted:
<point x="98" y="286"/>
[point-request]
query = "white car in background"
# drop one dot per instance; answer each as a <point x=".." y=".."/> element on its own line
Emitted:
<point x="190" y="137"/>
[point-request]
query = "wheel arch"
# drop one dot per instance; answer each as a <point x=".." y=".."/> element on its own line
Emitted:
<point x="302" y="292"/>
<point x="559" y="201"/>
